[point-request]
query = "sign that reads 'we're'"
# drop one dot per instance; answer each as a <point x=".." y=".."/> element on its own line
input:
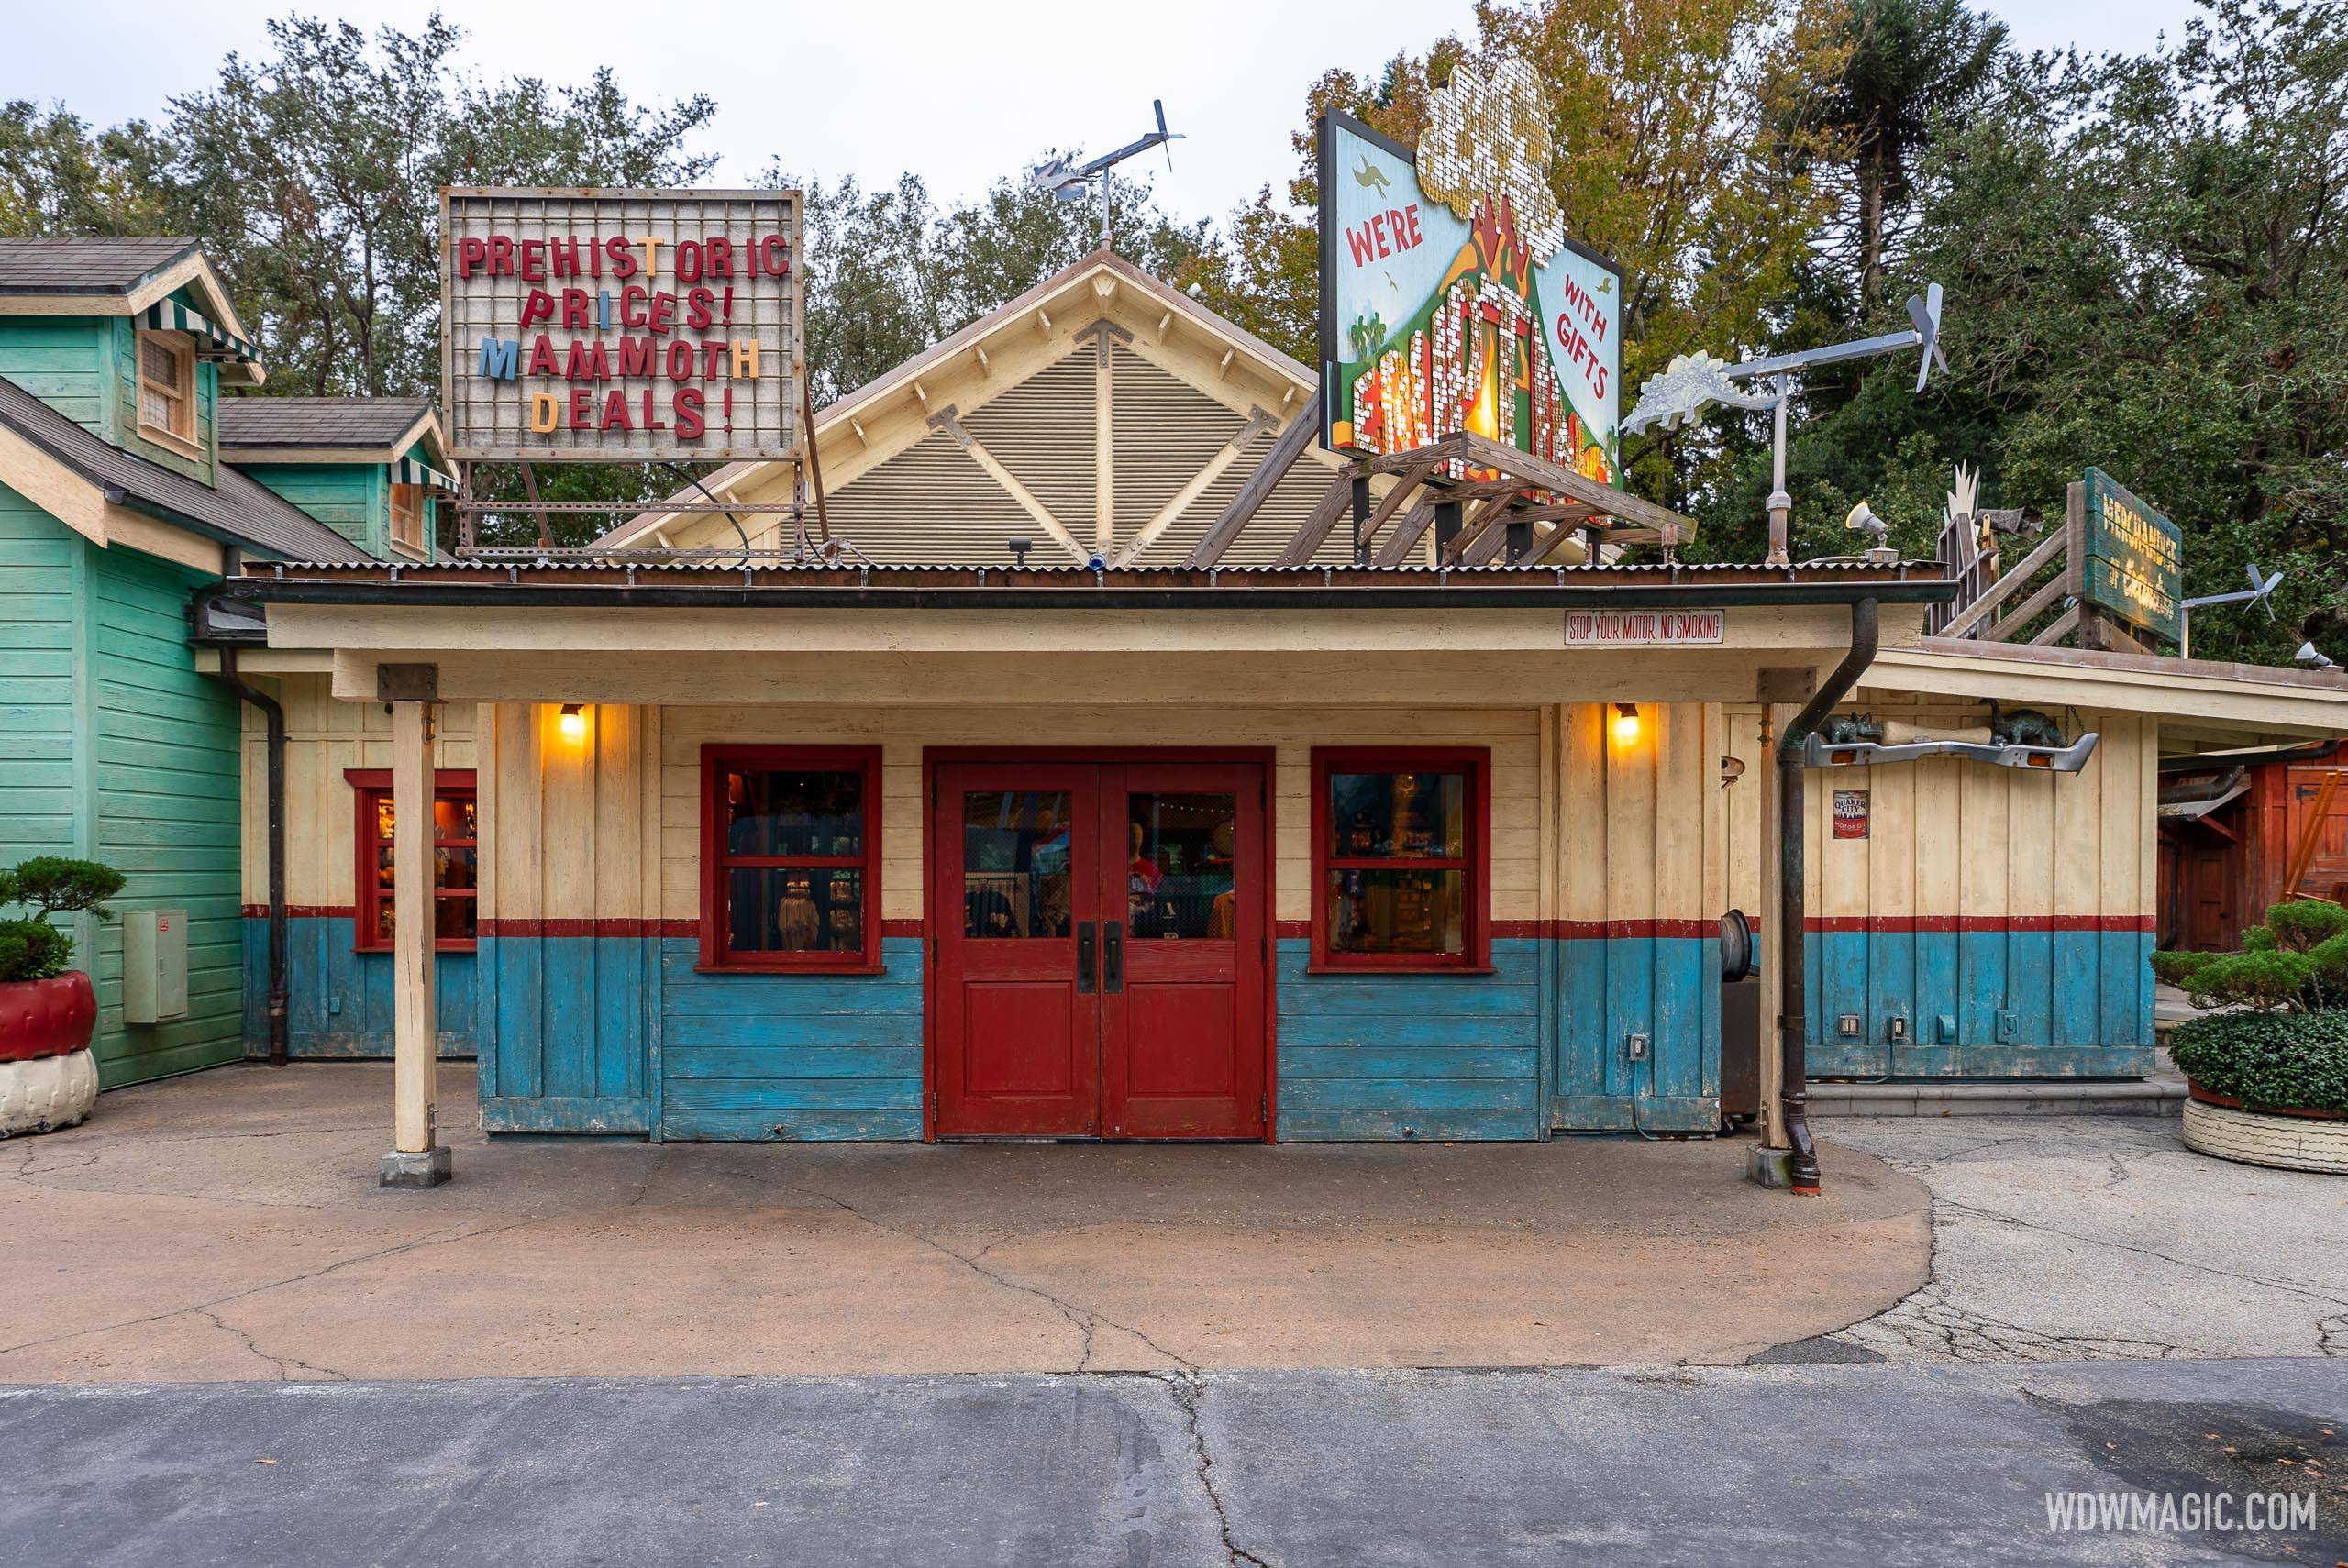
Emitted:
<point x="621" y="325"/>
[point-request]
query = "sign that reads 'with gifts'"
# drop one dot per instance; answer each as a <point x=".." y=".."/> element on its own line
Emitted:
<point x="1451" y="298"/>
<point x="621" y="325"/>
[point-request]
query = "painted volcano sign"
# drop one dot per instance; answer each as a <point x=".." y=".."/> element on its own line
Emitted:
<point x="1451" y="298"/>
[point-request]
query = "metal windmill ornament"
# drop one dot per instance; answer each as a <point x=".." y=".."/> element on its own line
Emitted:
<point x="1692" y="383"/>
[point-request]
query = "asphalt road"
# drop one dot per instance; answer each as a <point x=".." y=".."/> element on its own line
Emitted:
<point x="1821" y="1464"/>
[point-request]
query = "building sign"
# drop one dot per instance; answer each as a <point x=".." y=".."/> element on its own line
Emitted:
<point x="620" y="325"/>
<point x="2135" y="561"/>
<point x="1850" y="813"/>
<point x="1645" y="628"/>
<point x="1451" y="298"/>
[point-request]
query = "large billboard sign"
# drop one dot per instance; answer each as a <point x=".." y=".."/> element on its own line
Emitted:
<point x="621" y="325"/>
<point x="1451" y="298"/>
<point x="2134" y="558"/>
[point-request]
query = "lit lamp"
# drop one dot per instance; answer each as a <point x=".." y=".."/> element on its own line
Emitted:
<point x="1626" y="723"/>
<point x="573" y="721"/>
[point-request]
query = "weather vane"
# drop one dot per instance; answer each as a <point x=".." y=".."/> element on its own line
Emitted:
<point x="1692" y="383"/>
<point x="1066" y="179"/>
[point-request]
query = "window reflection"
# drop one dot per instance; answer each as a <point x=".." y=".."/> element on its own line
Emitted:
<point x="1180" y="880"/>
<point x="1397" y="910"/>
<point x="1384" y="816"/>
<point x="795" y="908"/>
<point x="1016" y="864"/>
<point x="794" y="813"/>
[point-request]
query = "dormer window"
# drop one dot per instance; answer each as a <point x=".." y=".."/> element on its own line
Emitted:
<point x="166" y="389"/>
<point x="408" y="518"/>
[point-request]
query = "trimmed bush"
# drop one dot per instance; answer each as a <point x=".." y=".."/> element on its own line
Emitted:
<point x="2295" y="1061"/>
<point x="2179" y="968"/>
<point x="2303" y="923"/>
<point x="2298" y="959"/>
<point x="2263" y="980"/>
<point x="30" y="948"/>
<point x="2258" y="939"/>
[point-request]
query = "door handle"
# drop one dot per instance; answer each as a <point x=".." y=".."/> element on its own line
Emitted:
<point x="1084" y="957"/>
<point x="1112" y="956"/>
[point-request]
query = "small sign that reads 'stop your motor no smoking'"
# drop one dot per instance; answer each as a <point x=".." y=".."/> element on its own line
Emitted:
<point x="1645" y="628"/>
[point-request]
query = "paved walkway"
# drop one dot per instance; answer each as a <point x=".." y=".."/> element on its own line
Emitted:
<point x="1879" y="1466"/>
<point x="226" y="1226"/>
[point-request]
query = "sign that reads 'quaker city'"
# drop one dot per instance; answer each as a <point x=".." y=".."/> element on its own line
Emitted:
<point x="2135" y="566"/>
<point x="621" y="325"/>
<point x="1451" y="298"/>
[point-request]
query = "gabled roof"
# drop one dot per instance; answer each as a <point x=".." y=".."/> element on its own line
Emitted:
<point x="324" y="429"/>
<point x="239" y="512"/>
<point x="118" y="277"/>
<point x="996" y="355"/>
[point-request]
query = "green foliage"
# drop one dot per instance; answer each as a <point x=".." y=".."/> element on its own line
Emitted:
<point x="2265" y="980"/>
<point x="2179" y="968"/>
<point x="30" y="948"/>
<point x="2290" y="1061"/>
<point x="2258" y="939"/>
<point x="2329" y="957"/>
<point x="2304" y="923"/>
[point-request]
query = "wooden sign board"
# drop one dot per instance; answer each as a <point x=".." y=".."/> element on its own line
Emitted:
<point x="2133" y="563"/>
<point x="1645" y="628"/>
<point x="621" y="325"/>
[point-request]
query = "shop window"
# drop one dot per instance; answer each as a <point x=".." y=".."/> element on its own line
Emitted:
<point x="167" y="388"/>
<point x="790" y="858"/>
<point x="456" y="860"/>
<point x="1402" y="859"/>
<point x="408" y="518"/>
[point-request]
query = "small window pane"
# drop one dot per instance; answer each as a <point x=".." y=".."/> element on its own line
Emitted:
<point x="1016" y="864"/>
<point x="795" y="908"/>
<point x="452" y="817"/>
<point x="455" y="868"/>
<point x="161" y="363"/>
<point x="455" y="921"/>
<point x="1398" y="910"/>
<point x="1397" y="815"/>
<point x="383" y="817"/>
<point x="1180" y="880"/>
<point x="794" y="813"/>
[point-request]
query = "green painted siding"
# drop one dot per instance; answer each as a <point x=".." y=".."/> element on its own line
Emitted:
<point x="112" y="746"/>
<point x="352" y="498"/>
<point x="125" y="432"/>
<point x="65" y="361"/>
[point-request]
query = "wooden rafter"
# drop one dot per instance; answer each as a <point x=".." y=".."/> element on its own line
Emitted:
<point x="1408" y="532"/>
<point x="1314" y="530"/>
<point x="1391" y="503"/>
<point x="1478" y="522"/>
<point x="1103" y="335"/>
<point x="1638" y="521"/>
<point x="949" y="420"/>
<point x="1294" y="438"/>
<point x="1259" y="422"/>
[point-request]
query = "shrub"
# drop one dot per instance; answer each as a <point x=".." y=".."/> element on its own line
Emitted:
<point x="2179" y="968"/>
<point x="2303" y="923"/>
<point x="2269" y="1060"/>
<point x="30" y="948"/>
<point x="2265" y="980"/>
<point x="2299" y="959"/>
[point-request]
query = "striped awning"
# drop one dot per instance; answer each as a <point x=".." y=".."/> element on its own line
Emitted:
<point x="211" y="342"/>
<point x="413" y="471"/>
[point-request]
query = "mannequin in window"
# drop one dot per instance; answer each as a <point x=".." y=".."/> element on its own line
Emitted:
<point x="798" y="928"/>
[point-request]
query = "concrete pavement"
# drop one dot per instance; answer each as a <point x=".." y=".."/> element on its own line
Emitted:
<point x="227" y="1226"/>
<point x="1875" y="1465"/>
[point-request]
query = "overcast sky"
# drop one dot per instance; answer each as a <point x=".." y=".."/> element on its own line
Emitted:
<point x="959" y="91"/>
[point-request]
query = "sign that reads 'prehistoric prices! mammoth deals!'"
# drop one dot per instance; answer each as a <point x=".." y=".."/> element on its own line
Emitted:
<point x="1451" y="298"/>
<point x="621" y="325"/>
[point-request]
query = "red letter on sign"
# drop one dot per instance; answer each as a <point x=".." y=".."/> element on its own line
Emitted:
<point x="471" y="253"/>
<point x="690" y="424"/>
<point x="537" y="307"/>
<point x="774" y="256"/>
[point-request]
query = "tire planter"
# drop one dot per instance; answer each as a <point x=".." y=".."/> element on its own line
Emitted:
<point x="48" y="1077"/>
<point x="2281" y="1140"/>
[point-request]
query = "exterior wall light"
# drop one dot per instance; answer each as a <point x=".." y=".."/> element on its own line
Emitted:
<point x="573" y="721"/>
<point x="1626" y="723"/>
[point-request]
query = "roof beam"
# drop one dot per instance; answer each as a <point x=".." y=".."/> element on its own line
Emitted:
<point x="1260" y="484"/>
<point x="1471" y="533"/>
<point x="1258" y="424"/>
<point x="1410" y="531"/>
<point x="1105" y="334"/>
<point x="1482" y="452"/>
<point x="1412" y="478"/>
<point x="949" y="420"/>
<point x="1314" y="530"/>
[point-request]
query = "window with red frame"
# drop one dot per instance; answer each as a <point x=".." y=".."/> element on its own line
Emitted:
<point x="790" y="858"/>
<point x="456" y="860"/>
<point x="1402" y="856"/>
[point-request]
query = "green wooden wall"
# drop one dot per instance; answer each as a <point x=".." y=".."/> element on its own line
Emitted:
<point x="87" y="368"/>
<point x="113" y="746"/>
<point x="352" y="498"/>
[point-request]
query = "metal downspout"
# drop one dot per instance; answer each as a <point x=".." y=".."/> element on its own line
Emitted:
<point x="273" y="714"/>
<point x="1793" y="1003"/>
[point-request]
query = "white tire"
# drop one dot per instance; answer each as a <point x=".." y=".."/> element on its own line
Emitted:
<point x="2261" y="1137"/>
<point x="47" y="1092"/>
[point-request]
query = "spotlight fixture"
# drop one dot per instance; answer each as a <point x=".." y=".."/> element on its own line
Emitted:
<point x="573" y="721"/>
<point x="1626" y="723"/>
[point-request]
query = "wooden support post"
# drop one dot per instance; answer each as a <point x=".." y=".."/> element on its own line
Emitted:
<point x="418" y="1158"/>
<point x="1446" y="527"/>
<point x="530" y="489"/>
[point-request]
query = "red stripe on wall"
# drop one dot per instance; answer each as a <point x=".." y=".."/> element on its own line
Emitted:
<point x="304" y="911"/>
<point x="1561" y="930"/>
<point x="902" y="928"/>
<point x="1898" y="923"/>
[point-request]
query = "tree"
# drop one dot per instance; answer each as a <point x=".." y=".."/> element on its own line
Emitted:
<point x="58" y="177"/>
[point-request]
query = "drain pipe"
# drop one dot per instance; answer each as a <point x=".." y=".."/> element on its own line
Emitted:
<point x="1793" y="1016"/>
<point x="273" y="714"/>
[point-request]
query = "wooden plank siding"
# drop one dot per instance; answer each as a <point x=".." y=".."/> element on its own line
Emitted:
<point x="352" y="498"/>
<point x="2004" y="916"/>
<point x="65" y="361"/>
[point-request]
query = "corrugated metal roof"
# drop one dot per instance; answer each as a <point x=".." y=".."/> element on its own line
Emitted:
<point x="85" y="266"/>
<point x="551" y="569"/>
<point x="240" y="510"/>
<point x="369" y="422"/>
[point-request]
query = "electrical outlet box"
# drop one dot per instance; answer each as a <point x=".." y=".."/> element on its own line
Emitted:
<point x="1638" y="1048"/>
<point x="1899" y="1029"/>
<point x="2008" y="1026"/>
<point x="1945" y="1025"/>
<point x="1846" y="1024"/>
<point x="154" y="966"/>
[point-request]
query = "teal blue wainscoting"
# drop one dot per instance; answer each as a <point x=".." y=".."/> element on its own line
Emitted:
<point x="572" y="1022"/>
<point x="748" y="1056"/>
<point x="2026" y="997"/>
<point x="1632" y="981"/>
<point x="339" y="1001"/>
<point x="1409" y="1056"/>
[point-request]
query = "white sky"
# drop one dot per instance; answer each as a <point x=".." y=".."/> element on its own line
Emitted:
<point x="958" y="91"/>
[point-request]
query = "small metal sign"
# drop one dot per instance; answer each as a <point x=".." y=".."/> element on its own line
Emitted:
<point x="2133" y="562"/>
<point x="1645" y="628"/>
<point x="621" y="325"/>
<point x="1850" y="813"/>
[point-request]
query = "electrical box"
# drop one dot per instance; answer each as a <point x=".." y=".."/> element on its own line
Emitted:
<point x="154" y="966"/>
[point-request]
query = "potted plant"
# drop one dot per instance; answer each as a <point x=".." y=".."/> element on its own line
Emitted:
<point x="2268" y="1073"/>
<point x="48" y="1079"/>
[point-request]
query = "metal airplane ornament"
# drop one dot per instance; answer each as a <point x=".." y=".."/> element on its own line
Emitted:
<point x="1692" y="383"/>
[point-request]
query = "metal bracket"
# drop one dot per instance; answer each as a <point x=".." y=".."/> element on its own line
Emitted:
<point x="407" y="683"/>
<point x="1819" y="752"/>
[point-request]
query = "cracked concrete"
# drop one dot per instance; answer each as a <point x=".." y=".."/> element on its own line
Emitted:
<point x="2104" y="1238"/>
<point x="227" y="1226"/>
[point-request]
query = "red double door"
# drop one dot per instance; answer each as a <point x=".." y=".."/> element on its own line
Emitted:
<point x="1098" y="949"/>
